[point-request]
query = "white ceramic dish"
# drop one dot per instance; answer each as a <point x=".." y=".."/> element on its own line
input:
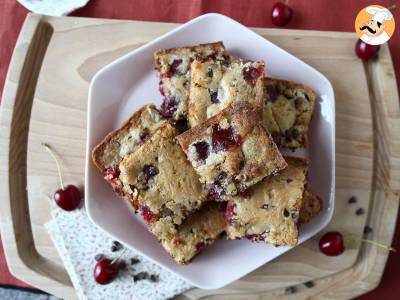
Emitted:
<point x="129" y="82"/>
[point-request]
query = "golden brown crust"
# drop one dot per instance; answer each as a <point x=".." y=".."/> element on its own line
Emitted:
<point x="287" y="112"/>
<point x="270" y="211"/>
<point x="239" y="151"/>
<point x="216" y="84"/>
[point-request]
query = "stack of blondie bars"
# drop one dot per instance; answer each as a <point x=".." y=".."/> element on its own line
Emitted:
<point x="207" y="162"/>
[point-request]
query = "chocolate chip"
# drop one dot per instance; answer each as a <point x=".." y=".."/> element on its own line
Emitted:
<point x="154" y="278"/>
<point x="360" y="211"/>
<point x="214" y="97"/>
<point x="114" y="248"/>
<point x="290" y="290"/>
<point x="242" y="164"/>
<point x="210" y="73"/>
<point x="98" y="257"/>
<point x="286" y="213"/>
<point x="122" y="265"/>
<point x="289" y="180"/>
<point x="117" y="244"/>
<point x="264" y="206"/>
<point x="367" y="229"/>
<point x="134" y="261"/>
<point x="144" y="135"/>
<point x="309" y="284"/>
<point x="181" y="125"/>
<point x="352" y="200"/>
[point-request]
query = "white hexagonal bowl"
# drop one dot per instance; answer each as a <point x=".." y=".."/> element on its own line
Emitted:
<point x="129" y="82"/>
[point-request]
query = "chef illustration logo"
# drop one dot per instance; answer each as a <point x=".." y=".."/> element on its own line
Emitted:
<point x="375" y="24"/>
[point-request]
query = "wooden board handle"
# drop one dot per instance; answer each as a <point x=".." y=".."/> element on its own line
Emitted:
<point x="19" y="92"/>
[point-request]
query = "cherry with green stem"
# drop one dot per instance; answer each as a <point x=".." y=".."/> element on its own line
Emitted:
<point x="281" y="13"/>
<point x="68" y="197"/>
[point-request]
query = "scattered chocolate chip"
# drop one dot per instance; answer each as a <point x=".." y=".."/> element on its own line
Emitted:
<point x="154" y="278"/>
<point x="264" y="206"/>
<point x="114" y="248"/>
<point x="181" y="125"/>
<point x="134" y="261"/>
<point x="117" y="244"/>
<point x="210" y="73"/>
<point x="241" y="164"/>
<point x="367" y="229"/>
<point x="360" y="211"/>
<point x="286" y="213"/>
<point x="122" y="265"/>
<point x="290" y="290"/>
<point x="352" y="200"/>
<point x="309" y="284"/>
<point x="98" y="257"/>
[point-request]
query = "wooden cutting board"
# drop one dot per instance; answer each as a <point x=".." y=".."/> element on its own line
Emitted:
<point x="45" y="100"/>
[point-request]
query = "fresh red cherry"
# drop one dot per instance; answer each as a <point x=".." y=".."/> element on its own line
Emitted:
<point x="68" y="198"/>
<point x="281" y="14"/>
<point x="105" y="271"/>
<point x="366" y="51"/>
<point x="331" y="243"/>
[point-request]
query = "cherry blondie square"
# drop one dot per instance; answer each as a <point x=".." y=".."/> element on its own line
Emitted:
<point x="232" y="150"/>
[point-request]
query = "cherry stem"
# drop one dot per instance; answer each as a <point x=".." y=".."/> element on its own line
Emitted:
<point x="53" y="155"/>
<point x="118" y="257"/>
<point x="392" y="7"/>
<point x="373" y="243"/>
<point x="287" y="2"/>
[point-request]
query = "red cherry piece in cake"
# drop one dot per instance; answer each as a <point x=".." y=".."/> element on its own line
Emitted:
<point x="104" y="271"/>
<point x="200" y="247"/>
<point x="251" y="74"/>
<point x="68" y="198"/>
<point x="214" y="97"/>
<point x="229" y="212"/>
<point x="147" y="214"/>
<point x="168" y="107"/>
<point x="366" y="51"/>
<point x="331" y="243"/>
<point x="173" y="68"/>
<point x="202" y="150"/>
<point x="246" y="193"/>
<point x="281" y="14"/>
<point x="250" y="237"/>
<point x="112" y="172"/>
<point x="223" y="138"/>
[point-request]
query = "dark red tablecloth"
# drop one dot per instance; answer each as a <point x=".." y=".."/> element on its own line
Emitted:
<point x="335" y="15"/>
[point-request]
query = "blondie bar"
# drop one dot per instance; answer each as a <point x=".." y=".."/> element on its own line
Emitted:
<point x="173" y="67"/>
<point x="232" y="150"/>
<point x="215" y="85"/>
<point x="312" y="205"/>
<point x="287" y="112"/>
<point x="270" y="210"/>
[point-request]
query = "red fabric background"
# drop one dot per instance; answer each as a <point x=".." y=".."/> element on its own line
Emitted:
<point x="335" y="15"/>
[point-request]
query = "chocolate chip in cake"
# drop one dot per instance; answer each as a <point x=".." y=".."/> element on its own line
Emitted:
<point x="181" y="125"/>
<point x="290" y="290"/>
<point x="286" y="213"/>
<point x="214" y="97"/>
<point x="352" y="200"/>
<point x="144" y="135"/>
<point x="367" y="229"/>
<point x="360" y="211"/>
<point x="309" y="284"/>
<point x="264" y="206"/>
<point x="271" y="92"/>
<point x="210" y="73"/>
<point x="289" y="180"/>
<point x="98" y="257"/>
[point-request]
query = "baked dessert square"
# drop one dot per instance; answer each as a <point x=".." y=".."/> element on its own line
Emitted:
<point x="312" y="205"/>
<point x="164" y="185"/>
<point x="127" y="139"/>
<point x="270" y="210"/>
<point x="287" y="112"/>
<point x="199" y="231"/>
<point x="173" y="68"/>
<point x="216" y="84"/>
<point x="232" y="150"/>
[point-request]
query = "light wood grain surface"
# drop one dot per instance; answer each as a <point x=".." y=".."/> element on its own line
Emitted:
<point x="45" y="101"/>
